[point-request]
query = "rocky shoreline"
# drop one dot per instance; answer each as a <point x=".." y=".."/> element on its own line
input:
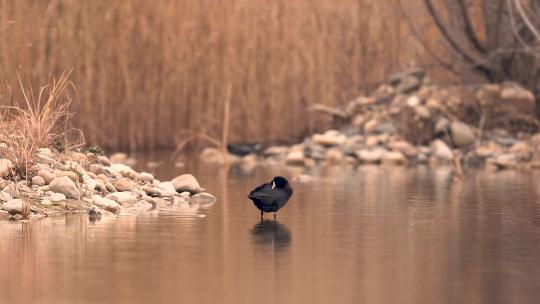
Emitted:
<point x="409" y="121"/>
<point x="75" y="182"/>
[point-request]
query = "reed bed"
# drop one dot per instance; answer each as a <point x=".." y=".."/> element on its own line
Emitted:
<point x="147" y="71"/>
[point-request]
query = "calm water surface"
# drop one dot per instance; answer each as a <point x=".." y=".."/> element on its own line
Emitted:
<point x="364" y="235"/>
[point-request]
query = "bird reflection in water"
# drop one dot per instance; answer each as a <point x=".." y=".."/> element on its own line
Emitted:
<point x="271" y="233"/>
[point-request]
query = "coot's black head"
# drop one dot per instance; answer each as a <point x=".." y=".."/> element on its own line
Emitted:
<point x="280" y="182"/>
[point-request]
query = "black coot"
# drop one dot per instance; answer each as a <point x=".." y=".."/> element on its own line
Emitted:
<point x="272" y="196"/>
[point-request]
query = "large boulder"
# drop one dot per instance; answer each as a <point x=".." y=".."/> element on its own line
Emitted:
<point x="14" y="206"/>
<point x="66" y="186"/>
<point x="186" y="182"/>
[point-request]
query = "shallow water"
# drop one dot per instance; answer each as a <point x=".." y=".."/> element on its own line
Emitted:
<point x="373" y="235"/>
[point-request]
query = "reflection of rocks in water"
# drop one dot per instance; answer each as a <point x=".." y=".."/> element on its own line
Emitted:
<point x="272" y="233"/>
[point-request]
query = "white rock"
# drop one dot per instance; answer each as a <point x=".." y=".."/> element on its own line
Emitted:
<point x="91" y="184"/>
<point x="4" y="215"/>
<point x="145" y="177"/>
<point x="394" y="157"/>
<point x="413" y="101"/>
<point x="38" y="181"/>
<point x="14" y="206"/>
<point x="186" y="182"/>
<point x="186" y="195"/>
<point x="167" y="189"/>
<point x="46" y="202"/>
<point x="441" y="150"/>
<point x="5" y="167"/>
<point x="57" y="197"/>
<point x="107" y="203"/>
<point x="122" y="197"/>
<point x="295" y="157"/>
<point x="66" y="186"/>
<point x="371" y="156"/>
<point x="4" y="196"/>
<point x="123" y="170"/>
<point x="329" y="138"/>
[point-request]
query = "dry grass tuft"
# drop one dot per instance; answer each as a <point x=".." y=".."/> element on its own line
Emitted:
<point x="40" y="121"/>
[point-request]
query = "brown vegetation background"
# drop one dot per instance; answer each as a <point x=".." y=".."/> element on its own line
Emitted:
<point x="146" y="70"/>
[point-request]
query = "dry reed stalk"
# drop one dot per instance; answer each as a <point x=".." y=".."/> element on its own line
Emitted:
<point x="38" y="122"/>
<point x="171" y="58"/>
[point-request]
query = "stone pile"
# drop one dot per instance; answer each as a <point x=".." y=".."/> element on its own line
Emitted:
<point x="410" y="121"/>
<point x="75" y="182"/>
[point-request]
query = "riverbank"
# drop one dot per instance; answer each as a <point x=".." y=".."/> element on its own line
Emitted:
<point x="84" y="182"/>
<point x="410" y="121"/>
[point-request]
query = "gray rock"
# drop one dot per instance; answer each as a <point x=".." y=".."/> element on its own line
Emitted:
<point x="38" y="181"/>
<point x="5" y="167"/>
<point x="167" y="189"/>
<point x="65" y="186"/>
<point x="14" y="206"/>
<point x="441" y="150"/>
<point x="408" y="84"/>
<point x="517" y="98"/>
<point x="461" y="134"/>
<point x="186" y="182"/>
<point x="108" y="203"/>
<point x="371" y="156"/>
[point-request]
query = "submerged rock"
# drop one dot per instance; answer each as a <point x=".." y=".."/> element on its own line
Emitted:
<point x="203" y="198"/>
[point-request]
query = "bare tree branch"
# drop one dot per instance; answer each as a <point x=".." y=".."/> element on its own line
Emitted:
<point x="469" y="31"/>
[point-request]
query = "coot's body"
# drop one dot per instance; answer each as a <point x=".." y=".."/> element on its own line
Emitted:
<point x="272" y="196"/>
